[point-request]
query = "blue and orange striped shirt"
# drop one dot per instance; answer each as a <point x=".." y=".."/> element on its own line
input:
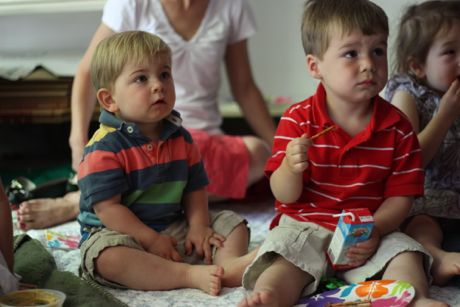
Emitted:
<point x="152" y="177"/>
<point x="344" y="172"/>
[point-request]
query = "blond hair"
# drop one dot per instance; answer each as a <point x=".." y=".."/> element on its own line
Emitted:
<point x="112" y="54"/>
<point x="320" y="17"/>
<point x="418" y="28"/>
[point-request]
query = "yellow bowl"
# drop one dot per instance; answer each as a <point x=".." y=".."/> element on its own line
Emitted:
<point x="33" y="297"/>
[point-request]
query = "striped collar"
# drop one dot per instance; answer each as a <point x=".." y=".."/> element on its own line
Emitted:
<point x="171" y="124"/>
<point x="381" y="118"/>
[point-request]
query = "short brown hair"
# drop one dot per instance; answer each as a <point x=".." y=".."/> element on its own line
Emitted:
<point x="418" y="28"/>
<point x="320" y="16"/>
<point x="113" y="52"/>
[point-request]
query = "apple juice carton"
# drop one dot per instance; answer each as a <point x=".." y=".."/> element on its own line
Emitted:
<point x="354" y="225"/>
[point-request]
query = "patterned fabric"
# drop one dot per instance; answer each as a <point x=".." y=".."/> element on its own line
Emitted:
<point x="344" y="172"/>
<point x="442" y="180"/>
<point x="258" y="216"/>
<point x="151" y="176"/>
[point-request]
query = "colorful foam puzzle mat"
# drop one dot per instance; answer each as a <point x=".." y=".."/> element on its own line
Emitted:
<point x="375" y="293"/>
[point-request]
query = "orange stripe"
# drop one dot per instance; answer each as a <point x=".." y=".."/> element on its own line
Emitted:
<point x="97" y="161"/>
<point x="136" y="158"/>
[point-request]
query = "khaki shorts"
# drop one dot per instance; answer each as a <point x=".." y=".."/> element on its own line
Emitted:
<point x="222" y="222"/>
<point x="305" y="244"/>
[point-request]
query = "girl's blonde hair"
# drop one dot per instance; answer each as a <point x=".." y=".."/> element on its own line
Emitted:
<point x="112" y="54"/>
<point x="418" y="28"/>
<point x="320" y="17"/>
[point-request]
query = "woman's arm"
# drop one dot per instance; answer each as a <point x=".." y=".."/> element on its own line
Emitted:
<point x="246" y="93"/>
<point x="84" y="98"/>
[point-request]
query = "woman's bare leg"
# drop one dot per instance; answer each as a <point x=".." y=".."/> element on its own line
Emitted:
<point x="45" y="212"/>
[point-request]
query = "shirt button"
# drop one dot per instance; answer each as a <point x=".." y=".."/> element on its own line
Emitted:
<point x="130" y="129"/>
<point x="149" y="147"/>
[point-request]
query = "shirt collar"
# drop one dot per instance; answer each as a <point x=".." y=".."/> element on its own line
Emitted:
<point x="171" y="124"/>
<point x="382" y="114"/>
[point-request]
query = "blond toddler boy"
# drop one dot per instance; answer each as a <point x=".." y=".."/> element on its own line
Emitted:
<point x="144" y="205"/>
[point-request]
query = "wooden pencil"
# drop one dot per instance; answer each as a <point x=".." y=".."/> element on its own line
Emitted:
<point x="330" y="128"/>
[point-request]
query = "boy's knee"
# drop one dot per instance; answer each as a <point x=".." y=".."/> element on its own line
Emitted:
<point x="423" y="221"/>
<point x="258" y="148"/>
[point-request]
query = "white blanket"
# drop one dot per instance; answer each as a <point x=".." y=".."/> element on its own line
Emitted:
<point x="258" y="215"/>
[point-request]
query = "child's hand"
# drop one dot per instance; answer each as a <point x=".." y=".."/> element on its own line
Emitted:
<point x="202" y="237"/>
<point x="450" y="102"/>
<point x="165" y="247"/>
<point x="296" y="154"/>
<point x="360" y="252"/>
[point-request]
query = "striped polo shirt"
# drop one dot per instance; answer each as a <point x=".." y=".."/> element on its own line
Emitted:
<point x="152" y="177"/>
<point x="384" y="160"/>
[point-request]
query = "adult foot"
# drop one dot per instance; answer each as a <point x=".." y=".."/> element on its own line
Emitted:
<point x="45" y="212"/>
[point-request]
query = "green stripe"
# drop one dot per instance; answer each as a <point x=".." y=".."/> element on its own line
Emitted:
<point x="163" y="193"/>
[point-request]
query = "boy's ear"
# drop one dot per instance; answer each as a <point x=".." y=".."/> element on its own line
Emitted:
<point x="416" y="69"/>
<point x="105" y="99"/>
<point x="312" y="66"/>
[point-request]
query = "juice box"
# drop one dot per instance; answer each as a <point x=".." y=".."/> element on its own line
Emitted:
<point x="354" y="225"/>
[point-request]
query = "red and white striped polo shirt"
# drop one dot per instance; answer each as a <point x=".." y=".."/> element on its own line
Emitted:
<point x="382" y="161"/>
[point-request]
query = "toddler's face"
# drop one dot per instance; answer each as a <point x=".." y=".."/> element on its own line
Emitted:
<point x="442" y="65"/>
<point x="144" y="93"/>
<point x="354" y="67"/>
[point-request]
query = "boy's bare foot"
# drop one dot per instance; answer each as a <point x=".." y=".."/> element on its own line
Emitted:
<point x="260" y="297"/>
<point x="206" y="277"/>
<point x="235" y="267"/>
<point x="427" y="302"/>
<point x="445" y="267"/>
<point x="45" y="212"/>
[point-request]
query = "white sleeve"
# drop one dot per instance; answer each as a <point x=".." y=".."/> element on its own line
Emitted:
<point x="243" y="21"/>
<point x="120" y="15"/>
